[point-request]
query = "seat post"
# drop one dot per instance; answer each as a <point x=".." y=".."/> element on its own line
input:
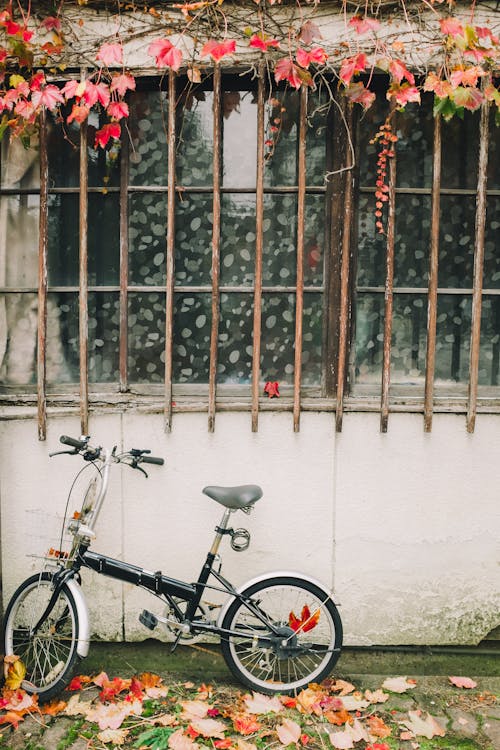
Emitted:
<point x="219" y="531"/>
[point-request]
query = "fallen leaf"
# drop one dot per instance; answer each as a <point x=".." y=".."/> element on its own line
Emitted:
<point x="307" y="699"/>
<point x="377" y="727"/>
<point x="14" y="671"/>
<point x="337" y="717"/>
<point x="288" y="732"/>
<point x="244" y="745"/>
<point x="427" y="727"/>
<point x="245" y="724"/>
<point x="53" y="708"/>
<point x="78" y="682"/>
<point x="11" y="717"/>
<point x="157" y="692"/>
<point x="149" y="680"/>
<point x="112" y="715"/>
<point x="194" y="710"/>
<point x="463" y="682"/>
<point x="262" y="704"/>
<point x="398" y="684"/>
<point x="406" y="736"/>
<point x="209" y="727"/>
<point x="378" y="696"/>
<point x="164" y="720"/>
<point x="76" y="707"/>
<point x="116" y="736"/>
<point x="342" y="687"/>
<point x="353" y="703"/>
<point x="179" y="741"/>
<point x="342" y="740"/>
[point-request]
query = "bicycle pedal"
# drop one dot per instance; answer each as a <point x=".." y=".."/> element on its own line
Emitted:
<point x="148" y="619"/>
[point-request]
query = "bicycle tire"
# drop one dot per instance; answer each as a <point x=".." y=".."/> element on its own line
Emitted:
<point x="296" y="657"/>
<point x="50" y="655"/>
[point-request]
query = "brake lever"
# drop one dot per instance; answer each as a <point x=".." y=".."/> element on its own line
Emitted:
<point x="135" y="465"/>
<point x="74" y="452"/>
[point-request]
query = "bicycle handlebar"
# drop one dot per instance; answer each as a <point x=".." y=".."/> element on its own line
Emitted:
<point x="78" y="444"/>
<point x="152" y="460"/>
<point x="91" y="453"/>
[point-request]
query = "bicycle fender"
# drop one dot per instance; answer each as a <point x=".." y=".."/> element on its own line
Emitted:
<point x="82" y="609"/>
<point x="265" y="576"/>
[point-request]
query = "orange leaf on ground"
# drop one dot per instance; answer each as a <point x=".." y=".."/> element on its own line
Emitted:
<point x="11" y="717"/>
<point x="179" y="741"/>
<point x="209" y="727"/>
<point x="463" y="682"/>
<point x="14" y="671"/>
<point x="262" y="704"/>
<point x="78" y="682"/>
<point x="53" y="708"/>
<point x="245" y="724"/>
<point x="377" y="727"/>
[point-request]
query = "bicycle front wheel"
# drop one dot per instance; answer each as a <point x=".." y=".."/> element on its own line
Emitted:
<point x="287" y="633"/>
<point x="49" y="654"/>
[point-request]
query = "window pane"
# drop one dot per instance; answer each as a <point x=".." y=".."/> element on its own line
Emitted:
<point x="491" y="244"/>
<point x="103" y="239"/>
<point x="280" y="239"/>
<point x="104" y="337"/>
<point x="146" y="337"/>
<point x="312" y="337"/>
<point x="19" y="240"/>
<point x="367" y="152"/>
<point x="194" y="157"/>
<point x="282" y="116"/>
<point x="456" y="240"/>
<point x="493" y="153"/>
<point x="147" y="238"/>
<point x="278" y="336"/>
<point x="63" y="153"/>
<point x="314" y="240"/>
<point x="235" y="338"/>
<point x="103" y="164"/>
<point x="369" y="338"/>
<point x="453" y="338"/>
<point x="18" y="338"/>
<point x="239" y="109"/>
<point x="191" y="351"/>
<point x="415" y="130"/>
<point x="489" y="360"/>
<point x="460" y="136"/>
<point x="19" y="166"/>
<point x="318" y="109"/>
<point x="63" y="355"/>
<point x="193" y="239"/>
<point x="237" y="240"/>
<point x="63" y="228"/>
<point x="148" y="130"/>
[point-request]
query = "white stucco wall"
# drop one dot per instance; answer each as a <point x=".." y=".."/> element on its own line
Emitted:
<point x="403" y="525"/>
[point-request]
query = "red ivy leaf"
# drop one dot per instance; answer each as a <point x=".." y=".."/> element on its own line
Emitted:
<point x="108" y="131"/>
<point x="451" y="26"/>
<point x="218" y="50"/>
<point x="352" y="65"/>
<point x="117" y="110"/>
<point x="272" y="389"/>
<point x="79" y="113"/>
<point x="96" y="93"/>
<point x="122" y="83"/>
<point x="400" y="71"/>
<point x="110" y="54"/>
<point x="357" y="93"/>
<point x="50" y="96"/>
<point x="363" y="24"/>
<point x="308" y="32"/>
<point x="166" y="54"/>
<point x="286" y="70"/>
<point x="403" y="94"/>
<point x="260" y="42"/>
<point x="470" y="98"/>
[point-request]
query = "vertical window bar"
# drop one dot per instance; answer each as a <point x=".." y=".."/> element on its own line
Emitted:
<point x="124" y="178"/>
<point x="83" y="289"/>
<point x="259" y="242"/>
<point x="344" y="281"/>
<point x="433" y="279"/>
<point x="169" y="302"/>
<point x="477" y="287"/>
<point x="214" y="335"/>
<point x="389" y="283"/>
<point x="42" y="281"/>
<point x="299" y="301"/>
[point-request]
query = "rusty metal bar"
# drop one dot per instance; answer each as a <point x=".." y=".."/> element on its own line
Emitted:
<point x="389" y="283"/>
<point x="42" y="281"/>
<point x="344" y="283"/>
<point x="259" y="244"/>
<point x="214" y="334"/>
<point x="124" y="179"/>
<point x="299" y="296"/>
<point x="477" y="284"/>
<point x="83" y="289"/>
<point x="432" y="297"/>
<point x="169" y="291"/>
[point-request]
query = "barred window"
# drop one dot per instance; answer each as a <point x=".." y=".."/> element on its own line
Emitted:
<point x="231" y="241"/>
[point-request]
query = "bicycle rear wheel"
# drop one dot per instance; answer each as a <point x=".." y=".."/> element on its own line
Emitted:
<point x="49" y="654"/>
<point x="291" y="635"/>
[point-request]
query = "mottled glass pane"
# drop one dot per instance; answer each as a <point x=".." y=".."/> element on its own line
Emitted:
<point x="63" y="239"/>
<point x="489" y="358"/>
<point x="103" y="163"/>
<point x="237" y="239"/>
<point x="460" y="151"/>
<point x="411" y="242"/>
<point x="281" y="123"/>
<point x="239" y="139"/>
<point x="19" y="224"/>
<point x="194" y="156"/>
<point x="314" y="240"/>
<point x="409" y="335"/>
<point x="148" y="159"/>
<point x="493" y="153"/>
<point x="147" y="238"/>
<point x="235" y="338"/>
<point x="415" y="130"/>
<point x="18" y="338"/>
<point x="456" y="241"/>
<point x="278" y="337"/>
<point x="280" y="240"/>
<point x="193" y="239"/>
<point x="318" y="108"/>
<point x="104" y="337"/>
<point x="312" y="338"/>
<point x="63" y="153"/>
<point x="453" y="338"/>
<point x="19" y="166"/>
<point x="191" y="345"/>
<point x="492" y="244"/>
<point x="103" y="239"/>
<point x="63" y="354"/>
<point x="146" y="337"/>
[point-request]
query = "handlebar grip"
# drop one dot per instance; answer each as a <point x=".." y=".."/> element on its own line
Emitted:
<point x="152" y="460"/>
<point x="79" y="444"/>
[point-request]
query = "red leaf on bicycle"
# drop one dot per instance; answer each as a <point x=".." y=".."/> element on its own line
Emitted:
<point x="306" y="621"/>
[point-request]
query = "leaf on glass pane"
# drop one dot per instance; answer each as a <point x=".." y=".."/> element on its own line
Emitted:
<point x="463" y="682"/>
<point x="398" y="684"/>
<point x="262" y="704"/>
<point x="288" y="732"/>
<point x="427" y="727"/>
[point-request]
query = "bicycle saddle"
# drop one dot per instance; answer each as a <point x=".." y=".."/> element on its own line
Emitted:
<point x="235" y="498"/>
